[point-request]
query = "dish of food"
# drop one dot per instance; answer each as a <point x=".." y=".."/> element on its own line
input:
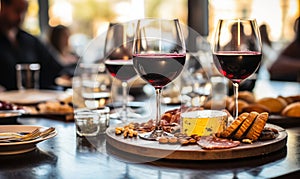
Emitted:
<point x="10" y="116"/>
<point x="154" y="149"/>
<point x="61" y="107"/>
<point x="249" y="135"/>
<point x="18" y="147"/>
<point x="27" y="97"/>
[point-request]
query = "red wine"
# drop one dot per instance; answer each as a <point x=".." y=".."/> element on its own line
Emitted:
<point x="159" y="70"/>
<point x="237" y="66"/>
<point x="121" y="69"/>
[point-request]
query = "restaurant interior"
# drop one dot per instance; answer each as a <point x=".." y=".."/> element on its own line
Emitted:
<point x="198" y="122"/>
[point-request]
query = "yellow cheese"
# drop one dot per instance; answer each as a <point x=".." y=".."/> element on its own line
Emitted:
<point x="204" y="122"/>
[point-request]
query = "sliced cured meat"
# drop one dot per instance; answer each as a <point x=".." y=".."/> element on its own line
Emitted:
<point x="212" y="142"/>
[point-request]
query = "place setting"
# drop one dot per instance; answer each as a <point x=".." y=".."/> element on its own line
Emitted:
<point x="149" y="89"/>
<point x="17" y="139"/>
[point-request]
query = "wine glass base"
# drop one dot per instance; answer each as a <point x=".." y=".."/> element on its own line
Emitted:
<point x="129" y="116"/>
<point x="153" y="135"/>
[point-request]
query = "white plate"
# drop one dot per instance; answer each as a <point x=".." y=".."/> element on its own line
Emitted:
<point x="29" y="96"/>
<point x="21" y="147"/>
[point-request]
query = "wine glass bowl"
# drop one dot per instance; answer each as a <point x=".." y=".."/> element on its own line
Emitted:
<point x="118" y="58"/>
<point x="158" y="58"/>
<point x="237" y="50"/>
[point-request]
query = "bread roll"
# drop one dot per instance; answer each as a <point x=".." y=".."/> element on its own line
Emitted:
<point x="241" y="105"/>
<point x="275" y="105"/>
<point x="292" y="110"/>
<point x="246" y="96"/>
<point x="256" y="107"/>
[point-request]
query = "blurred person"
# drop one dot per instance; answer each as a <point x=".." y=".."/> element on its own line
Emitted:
<point x="58" y="43"/>
<point x="58" y="40"/>
<point x="287" y="65"/>
<point x="264" y="33"/>
<point x="269" y="54"/>
<point x="249" y="83"/>
<point x="18" y="46"/>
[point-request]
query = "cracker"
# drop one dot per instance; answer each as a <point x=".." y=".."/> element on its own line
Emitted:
<point x="258" y="126"/>
<point x="245" y="125"/>
<point x="234" y="125"/>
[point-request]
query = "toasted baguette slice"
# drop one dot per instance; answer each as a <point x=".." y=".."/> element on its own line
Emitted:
<point x="246" y="124"/>
<point x="258" y="126"/>
<point x="234" y="125"/>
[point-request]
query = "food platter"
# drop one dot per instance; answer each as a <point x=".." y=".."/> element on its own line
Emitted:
<point x="10" y="148"/>
<point x="153" y="149"/>
<point x="10" y="116"/>
<point x="27" y="97"/>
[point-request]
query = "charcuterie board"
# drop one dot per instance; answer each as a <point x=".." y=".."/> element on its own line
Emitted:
<point x="153" y="149"/>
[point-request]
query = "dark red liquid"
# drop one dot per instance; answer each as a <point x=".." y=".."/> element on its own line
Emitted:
<point x="121" y="69"/>
<point x="159" y="70"/>
<point x="237" y="66"/>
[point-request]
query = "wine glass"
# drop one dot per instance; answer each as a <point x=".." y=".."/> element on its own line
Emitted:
<point x="158" y="57"/>
<point x="237" y="51"/>
<point x="118" y="58"/>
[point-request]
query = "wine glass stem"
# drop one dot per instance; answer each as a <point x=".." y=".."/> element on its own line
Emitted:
<point x="124" y="100"/>
<point x="158" y="109"/>
<point x="236" y="94"/>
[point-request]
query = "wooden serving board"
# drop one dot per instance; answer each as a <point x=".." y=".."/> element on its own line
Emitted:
<point x="153" y="149"/>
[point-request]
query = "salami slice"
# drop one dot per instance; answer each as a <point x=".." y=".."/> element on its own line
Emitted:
<point x="212" y="142"/>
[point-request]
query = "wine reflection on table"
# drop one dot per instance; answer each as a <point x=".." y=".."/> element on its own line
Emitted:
<point x="90" y="144"/>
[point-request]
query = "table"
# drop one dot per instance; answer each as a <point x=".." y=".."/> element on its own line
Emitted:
<point x="70" y="156"/>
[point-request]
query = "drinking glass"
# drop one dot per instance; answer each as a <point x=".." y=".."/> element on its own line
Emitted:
<point x="237" y="51"/>
<point x="28" y="75"/>
<point x="118" y="58"/>
<point x="158" y="57"/>
<point x="94" y="85"/>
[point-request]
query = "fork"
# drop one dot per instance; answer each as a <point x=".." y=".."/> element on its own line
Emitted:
<point x="18" y="137"/>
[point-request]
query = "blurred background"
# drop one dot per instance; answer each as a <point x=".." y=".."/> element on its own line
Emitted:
<point x="89" y="18"/>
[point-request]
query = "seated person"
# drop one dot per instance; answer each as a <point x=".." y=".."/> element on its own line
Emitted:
<point x="287" y="65"/>
<point x="18" y="46"/>
<point x="58" y="41"/>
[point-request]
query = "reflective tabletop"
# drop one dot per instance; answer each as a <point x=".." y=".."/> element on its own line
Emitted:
<point x="69" y="156"/>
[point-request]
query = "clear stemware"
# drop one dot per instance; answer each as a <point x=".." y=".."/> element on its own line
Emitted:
<point x="237" y="51"/>
<point x="158" y="57"/>
<point x="118" y="59"/>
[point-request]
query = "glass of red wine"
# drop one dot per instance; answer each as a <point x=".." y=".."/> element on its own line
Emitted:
<point x="158" y="57"/>
<point x="118" y="58"/>
<point x="237" y="51"/>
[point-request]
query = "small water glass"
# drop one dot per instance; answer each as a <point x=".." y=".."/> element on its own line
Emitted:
<point x="91" y="122"/>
